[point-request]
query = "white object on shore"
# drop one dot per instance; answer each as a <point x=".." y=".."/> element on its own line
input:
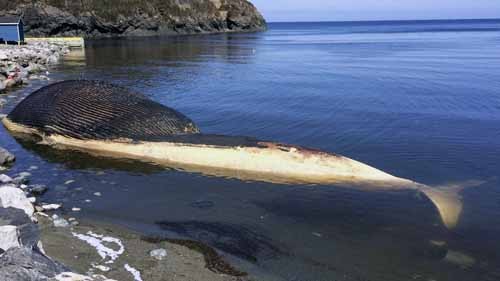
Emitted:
<point x="97" y="241"/>
<point x="158" y="254"/>
<point x="59" y="222"/>
<point x="136" y="273"/>
<point x="102" y="268"/>
<point x="11" y="196"/>
<point x="49" y="207"/>
<point x="5" y="179"/>
<point x="9" y="237"/>
<point x="75" y="209"/>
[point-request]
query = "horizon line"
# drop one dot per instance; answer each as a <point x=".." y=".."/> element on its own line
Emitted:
<point x="381" y="20"/>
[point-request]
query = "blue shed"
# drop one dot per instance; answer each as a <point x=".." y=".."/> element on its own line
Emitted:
<point x="11" y="29"/>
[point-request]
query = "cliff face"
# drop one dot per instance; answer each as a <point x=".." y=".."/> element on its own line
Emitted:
<point x="103" y="18"/>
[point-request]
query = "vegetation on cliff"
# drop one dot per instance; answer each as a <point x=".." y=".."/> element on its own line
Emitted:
<point x="98" y="18"/>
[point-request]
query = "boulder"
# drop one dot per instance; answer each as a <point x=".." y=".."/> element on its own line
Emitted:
<point x="28" y="232"/>
<point x="26" y="264"/>
<point x="11" y="196"/>
<point x="9" y="237"/>
<point x="6" y="158"/>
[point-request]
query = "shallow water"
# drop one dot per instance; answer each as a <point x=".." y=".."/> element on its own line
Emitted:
<point x="420" y="100"/>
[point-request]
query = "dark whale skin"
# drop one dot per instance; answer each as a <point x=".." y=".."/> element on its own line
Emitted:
<point x="97" y="110"/>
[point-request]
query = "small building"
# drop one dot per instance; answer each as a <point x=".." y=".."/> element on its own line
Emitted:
<point x="11" y="30"/>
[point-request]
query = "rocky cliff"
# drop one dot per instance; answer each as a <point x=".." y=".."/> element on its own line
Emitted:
<point x="105" y="18"/>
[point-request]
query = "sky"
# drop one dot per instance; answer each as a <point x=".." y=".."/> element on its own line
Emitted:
<point x="346" y="10"/>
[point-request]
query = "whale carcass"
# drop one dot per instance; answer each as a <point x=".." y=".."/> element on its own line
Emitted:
<point x="104" y="119"/>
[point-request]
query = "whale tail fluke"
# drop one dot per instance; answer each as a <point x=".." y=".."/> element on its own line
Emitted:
<point x="448" y="201"/>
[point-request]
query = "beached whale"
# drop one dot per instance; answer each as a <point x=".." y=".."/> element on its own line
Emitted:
<point x="105" y="119"/>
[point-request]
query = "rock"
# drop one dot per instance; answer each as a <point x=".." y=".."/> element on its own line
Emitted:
<point x="137" y="18"/>
<point x="8" y="237"/>
<point x="5" y="179"/>
<point x="70" y="276"/>
<point x="26" y="264"/>
<point x="97" y="194"/>
<point x="38" y="189"/>
<point x="158" y="254"/>
<point x="14" y="197"/>
<point x="22" y="178"/>
<point x="75" y="209"/>
<point x="60" y="222"/>
<point x="50" y="207"/>
<point x="28" y="232"/>
<point x="6" y="158"/>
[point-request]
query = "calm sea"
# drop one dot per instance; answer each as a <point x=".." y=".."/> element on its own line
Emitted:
<point x="420" y="100"/>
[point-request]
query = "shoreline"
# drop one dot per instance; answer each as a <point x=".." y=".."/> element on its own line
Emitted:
<point x="56" y="245"/>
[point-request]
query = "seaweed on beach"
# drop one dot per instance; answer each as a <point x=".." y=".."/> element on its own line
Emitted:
<point x="205" y="237"/>
<point x="233" y="239"/>
<point x="213" y="261"/>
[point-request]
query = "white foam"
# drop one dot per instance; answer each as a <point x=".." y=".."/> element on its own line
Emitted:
<point x="136" y="273"/>
<point x="97" y="241"/>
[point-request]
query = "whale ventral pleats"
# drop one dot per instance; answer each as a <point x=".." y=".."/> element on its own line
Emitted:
<point x="97" y="110"/>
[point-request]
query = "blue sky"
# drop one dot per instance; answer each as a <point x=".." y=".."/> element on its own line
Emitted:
<point x="340" y="10"/>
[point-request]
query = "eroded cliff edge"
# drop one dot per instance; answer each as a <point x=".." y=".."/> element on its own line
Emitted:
<point x="98" y="18"/>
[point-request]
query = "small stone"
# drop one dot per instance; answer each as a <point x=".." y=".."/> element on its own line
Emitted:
<point x="71" y="219"/>
<point x="38" y="189"/>
<point x="158" y="254"/>
<point x="88" y="200"/>
<point x="5" y="179"/>
<point x="97" y="194"/>
<point x="60" y="222"/>
<point x="23" y="186"/>
<point x="6" y="158"/>
<point x="102" y="268"/>
<point x="75" y="209"/>
<point x="49" y="207"/>
<point x="22" y="178"/>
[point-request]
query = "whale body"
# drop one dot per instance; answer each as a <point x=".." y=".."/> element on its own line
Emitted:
<point x="104" y="119"/>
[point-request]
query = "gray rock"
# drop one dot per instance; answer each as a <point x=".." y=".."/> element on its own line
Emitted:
<point x="9" y="237"/>
<point x="13" y="197"/>
<point x="18" y="264"/>
<point x="22" y="178"/>
<point x="6" y="158"/>
<point x="38" y="189"/>
<point x="60" y="222"/>
<point x="158" y="254"/>
<point x="28" y="232"/>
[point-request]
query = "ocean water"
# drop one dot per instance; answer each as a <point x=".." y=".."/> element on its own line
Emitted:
<point x="418" y="99"/>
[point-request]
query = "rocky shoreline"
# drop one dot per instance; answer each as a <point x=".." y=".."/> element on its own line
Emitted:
<point x="42" y="241"/>
<point x="19" y="64"/>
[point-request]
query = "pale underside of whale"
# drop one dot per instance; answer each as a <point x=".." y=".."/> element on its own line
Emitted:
<point x="186" y="149"/>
